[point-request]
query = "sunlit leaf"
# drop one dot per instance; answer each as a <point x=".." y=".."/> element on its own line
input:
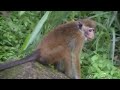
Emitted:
<point x="21" y="13"/>
<point x="37" y="28"/>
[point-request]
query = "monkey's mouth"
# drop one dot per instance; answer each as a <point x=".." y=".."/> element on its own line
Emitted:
<point x="88" y="36"/>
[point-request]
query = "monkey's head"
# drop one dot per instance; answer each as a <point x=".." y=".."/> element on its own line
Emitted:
<point x="87" y="27"/>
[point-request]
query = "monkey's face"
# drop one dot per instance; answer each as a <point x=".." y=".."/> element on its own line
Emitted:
<point x="88" y="32"/>
<point x="87" y="27"/>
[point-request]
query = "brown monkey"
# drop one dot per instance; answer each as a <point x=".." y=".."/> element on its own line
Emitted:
<point x="61" y="47"/>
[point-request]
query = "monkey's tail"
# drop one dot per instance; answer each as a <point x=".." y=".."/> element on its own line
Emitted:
<point x="32" y="57"/>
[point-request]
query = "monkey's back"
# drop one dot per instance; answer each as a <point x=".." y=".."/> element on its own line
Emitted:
<point x="57" y="43"/>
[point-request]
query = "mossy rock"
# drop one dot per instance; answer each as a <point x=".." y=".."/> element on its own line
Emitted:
<point x="31" y="70"/>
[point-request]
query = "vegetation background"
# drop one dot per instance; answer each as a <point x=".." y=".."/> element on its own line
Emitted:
<point x="21" y="31"/>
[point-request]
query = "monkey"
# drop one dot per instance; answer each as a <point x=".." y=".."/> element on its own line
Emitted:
<point x="61" y="47"/>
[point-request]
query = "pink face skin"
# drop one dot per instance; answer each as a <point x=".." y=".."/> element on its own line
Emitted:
<point x="89" y="34"/>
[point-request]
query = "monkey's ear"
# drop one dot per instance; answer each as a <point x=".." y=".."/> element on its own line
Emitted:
<point x="80" y="25"/>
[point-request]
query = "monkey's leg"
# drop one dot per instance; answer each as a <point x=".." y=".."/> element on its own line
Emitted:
<point x="76" y="62"/>
<point x="75" y="52"/>
<point x="60" y="66"/>
<point x="68" y="66"/>
<point x="76" y="67"/>
<point x="43" y="61"/>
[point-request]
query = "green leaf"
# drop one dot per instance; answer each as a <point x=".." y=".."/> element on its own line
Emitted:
<point x="37" y="29"/>
<point x="21" y="13"/>
<point x="25" y="43"/>
<point x="95" y="57"/>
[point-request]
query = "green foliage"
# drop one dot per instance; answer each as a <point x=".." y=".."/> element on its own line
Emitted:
<point x="14" y="30"/>
<point x="37" y="30"/>
<point x="99" y="67"/>
<point x="98" y="55"/>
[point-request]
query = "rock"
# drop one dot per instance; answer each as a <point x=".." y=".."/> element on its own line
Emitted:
<point x="31" y="70"/>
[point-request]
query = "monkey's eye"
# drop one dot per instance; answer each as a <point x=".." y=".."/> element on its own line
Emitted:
<point x="80" y="25"/>
<point x="90" y="30"/>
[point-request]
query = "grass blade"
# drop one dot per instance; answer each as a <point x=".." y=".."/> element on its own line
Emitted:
<point x="113" y="44"/>
<point x="37" y="29"/>
<point x="100" y="14"/>
<point x="113" y="18"/>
